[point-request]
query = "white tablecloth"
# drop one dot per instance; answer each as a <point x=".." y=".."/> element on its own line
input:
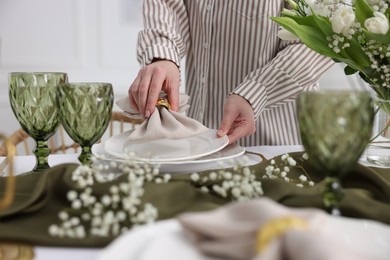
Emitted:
<point x="26" y="163"/>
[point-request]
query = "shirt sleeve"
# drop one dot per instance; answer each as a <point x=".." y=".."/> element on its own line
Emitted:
<point x="166" y="31"/>
<point x="294" y="69"/>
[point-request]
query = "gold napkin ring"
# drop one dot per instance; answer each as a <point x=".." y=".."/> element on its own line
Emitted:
<point x="16" y="251"/>
<point x="274" y="228"/>
<point x="163" y="102"/>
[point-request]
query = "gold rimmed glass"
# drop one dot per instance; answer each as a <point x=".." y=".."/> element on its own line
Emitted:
<point x="33" y="100"/>
<point x="85" y="111"/>
<point x="335" y="127"/>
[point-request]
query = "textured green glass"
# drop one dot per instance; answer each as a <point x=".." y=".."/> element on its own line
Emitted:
<point x="85" y="111"/>
<point x="335" y="128"/>
<point x="33" y="100"/>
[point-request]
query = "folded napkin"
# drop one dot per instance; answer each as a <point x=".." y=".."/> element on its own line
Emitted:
<point x="163" y="123"/>
<point x="230" y="232"/>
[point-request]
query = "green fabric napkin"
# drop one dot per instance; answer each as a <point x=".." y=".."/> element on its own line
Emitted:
<point x="40" y="196"/>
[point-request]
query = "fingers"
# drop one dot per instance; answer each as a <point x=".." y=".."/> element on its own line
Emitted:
<point x="226" y="123"/>
<point x="138" y="91"/>
<point x="156" y="83"/>
<point x="238" y="131"/>
<point x="157" y="76"/>
<point x="130" y="94"/>
<point x="145" y="90"/>
<point x="142" y="94"/>
<point x="173" y="96"/>
<point x="238" y="120"/>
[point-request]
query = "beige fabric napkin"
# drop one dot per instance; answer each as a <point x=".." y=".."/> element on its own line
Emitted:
<point x="162" y="123"/>
<point x="230" y="233"/>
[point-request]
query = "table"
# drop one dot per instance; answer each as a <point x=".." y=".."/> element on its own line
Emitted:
<point x="26" y="163"/>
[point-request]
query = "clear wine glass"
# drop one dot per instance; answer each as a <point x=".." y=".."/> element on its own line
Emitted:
<point x="85" y="111"/>
<point x="33" y="100"/>
<point x="335" y="128"/>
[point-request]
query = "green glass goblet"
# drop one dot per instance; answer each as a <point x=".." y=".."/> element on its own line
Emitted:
<point x="85" y="112"/>
<point x="335" y="128"/>
<point x="33" y="100"/>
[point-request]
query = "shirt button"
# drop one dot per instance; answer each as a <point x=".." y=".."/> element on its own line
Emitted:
<point x="205" y="45"/>
<point x="208" y="8"/>
<point x="204" y="80"/>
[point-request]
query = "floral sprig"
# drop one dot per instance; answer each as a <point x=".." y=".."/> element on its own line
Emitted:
<point x="282" y="170"/>
<point x="239" y="183"/>
<point x="120" y="208"/>
<point x="111" y="213"/>
<point x="354" y="32"/>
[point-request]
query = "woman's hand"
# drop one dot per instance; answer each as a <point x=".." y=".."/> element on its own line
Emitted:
<point x="151" y="79"/>
<point x="238" y="119"/>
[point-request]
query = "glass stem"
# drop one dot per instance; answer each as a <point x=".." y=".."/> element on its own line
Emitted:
<point x="42" y="153"/>
<point x="85" y="156"/>
<point x="332" y="195"/>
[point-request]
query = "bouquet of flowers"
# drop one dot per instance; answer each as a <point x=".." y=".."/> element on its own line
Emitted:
<point x="355" y="32"/>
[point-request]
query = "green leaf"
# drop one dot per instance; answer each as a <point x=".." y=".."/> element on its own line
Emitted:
<point x="313" y="32"/>
<point x="348" y="70"/>
<point x="363" y="11"/>
<point x="323" y="24"/>
<point x="381" y="38"/>
<point x="303" y="28"/>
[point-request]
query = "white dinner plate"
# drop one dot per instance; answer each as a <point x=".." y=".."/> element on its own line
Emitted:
<point x="228" y="152"/>
<point x="166" y="150"/>
<point x="224" y="158"/>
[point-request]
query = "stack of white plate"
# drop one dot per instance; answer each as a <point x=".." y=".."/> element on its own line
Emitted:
<point x="196" y="153"/>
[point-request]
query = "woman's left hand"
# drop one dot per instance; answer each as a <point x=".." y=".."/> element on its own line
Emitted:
<point x="238" y="119"/>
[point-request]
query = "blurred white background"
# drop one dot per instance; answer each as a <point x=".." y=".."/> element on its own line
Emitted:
<point x="91" y="40"/>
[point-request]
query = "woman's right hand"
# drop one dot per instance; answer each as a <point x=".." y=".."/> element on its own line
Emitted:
<point x="160" y="75"/>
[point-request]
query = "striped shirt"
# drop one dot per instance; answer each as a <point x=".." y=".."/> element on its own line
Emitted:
<point x="231" y="46"/>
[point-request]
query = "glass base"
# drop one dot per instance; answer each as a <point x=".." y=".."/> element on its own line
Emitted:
<point x="332" y="195"/>
<point x="380" y="160"/>
<point x="85" y="156"/>
<point x="378" y="153"/>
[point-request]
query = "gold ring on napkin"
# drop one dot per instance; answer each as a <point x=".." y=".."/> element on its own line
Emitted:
<point x="275" y="228"/>
<point x="16" y="251"/>
<point x="163" y="102"/>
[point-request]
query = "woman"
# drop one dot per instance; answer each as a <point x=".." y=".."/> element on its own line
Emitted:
<point x="242" y="78"/>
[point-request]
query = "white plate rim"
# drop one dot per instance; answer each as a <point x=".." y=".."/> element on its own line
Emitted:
<point x="99" y="152"/>
<point x="223" y="142"/>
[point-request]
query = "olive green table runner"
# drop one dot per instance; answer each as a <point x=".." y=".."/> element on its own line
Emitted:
<point x="41" y="196"/>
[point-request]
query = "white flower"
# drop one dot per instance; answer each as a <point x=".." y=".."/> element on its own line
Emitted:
<point x="287" y="35"/>
<point x="342" y="20"/>
<point x="318" y="8"/>
<point x="71" y="195"/>
<point x="291" y="161"/>
<point x="377" y="24"/>
<point x="302" y="178"/>
<point x="54" y="230"/>
<point x="76" y="204"/>
<point x="195" y="177"/>
<point x="63" y="215"/>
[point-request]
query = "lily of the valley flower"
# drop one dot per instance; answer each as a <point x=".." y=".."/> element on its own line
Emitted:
<point x="354" y="32"/>
<point x="377" y="24"/>
<point x="343" y="20"/>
